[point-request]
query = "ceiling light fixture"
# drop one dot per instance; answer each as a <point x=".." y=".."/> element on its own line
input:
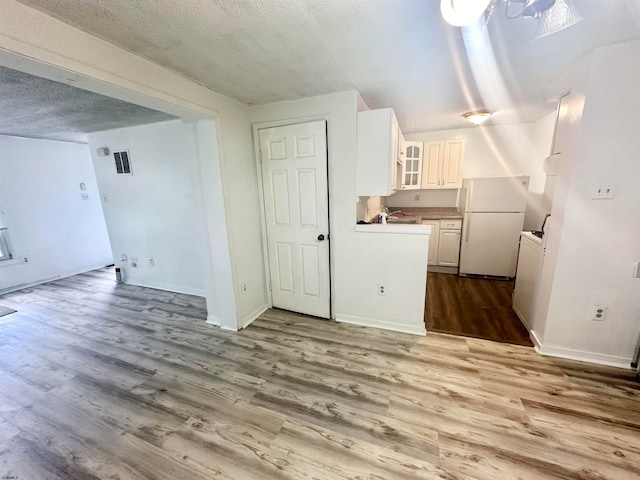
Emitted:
<point x="477" y="117"/>
<point x="529" y="8"/>
<point x="552" y="15"/>
<point x="561" y="16"/>
<point x="460" y="13"/>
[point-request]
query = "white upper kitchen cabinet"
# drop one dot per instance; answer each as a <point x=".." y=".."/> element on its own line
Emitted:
<point x="412" y="166"/>
<point x="442" y="164"/>
<point x="380" y="153"/>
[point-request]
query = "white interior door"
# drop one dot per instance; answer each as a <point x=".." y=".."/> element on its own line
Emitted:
<point x="294" y="178"/>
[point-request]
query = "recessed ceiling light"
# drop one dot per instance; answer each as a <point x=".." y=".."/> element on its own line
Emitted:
<point x="462" y="12"/>
<point x="477" y="117"/>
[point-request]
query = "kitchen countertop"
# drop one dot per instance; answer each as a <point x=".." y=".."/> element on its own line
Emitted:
<point x="425" y="213"/>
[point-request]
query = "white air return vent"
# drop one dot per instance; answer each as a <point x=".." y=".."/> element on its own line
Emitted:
<point x="123" y="162"/>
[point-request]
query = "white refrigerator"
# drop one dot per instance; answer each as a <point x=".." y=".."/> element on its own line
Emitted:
<point x="493" y="218"/>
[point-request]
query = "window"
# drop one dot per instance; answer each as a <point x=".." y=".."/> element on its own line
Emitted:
<point x="5" y="250"/>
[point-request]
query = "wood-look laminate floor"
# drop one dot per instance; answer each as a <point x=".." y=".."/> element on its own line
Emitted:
<point x="473" y="307"/>
<point x="99" y="381"/>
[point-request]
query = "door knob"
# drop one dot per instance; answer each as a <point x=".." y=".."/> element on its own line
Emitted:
<point x="320" y="237"/>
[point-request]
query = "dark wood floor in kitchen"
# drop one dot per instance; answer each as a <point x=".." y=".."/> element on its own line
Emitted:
<point x="106" y="381"/>
<point x="473" y="307"/>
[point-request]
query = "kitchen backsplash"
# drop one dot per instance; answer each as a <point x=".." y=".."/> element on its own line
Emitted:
<point x="426" y="198"/>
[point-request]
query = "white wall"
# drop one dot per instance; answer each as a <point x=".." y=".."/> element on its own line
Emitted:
<point x="492" y="151"/>
<point x="152" y="213"/>
<point x="355" y="255"/>
<point x="33" y="42"/>
<point x="48" y="221"/>
<point x="596" y="241"/>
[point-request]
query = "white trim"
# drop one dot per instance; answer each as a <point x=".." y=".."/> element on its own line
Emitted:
<point x="249" y="319"/>
<point x="408" y="229"/>
<point x="533" y="336"/>
<point x="215" y="321"/>
<point x="396" y="327"/>
<point x="228" y="329"/>
<point x="580" y="355"/>
<point x="441" y="269"/>
<point x="198" y="292"/>
<point x="59" y="276"/>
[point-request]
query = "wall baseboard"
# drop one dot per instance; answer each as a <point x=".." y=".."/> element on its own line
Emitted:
<point x="249" y="319"/>
<point x="69" y="273"/>
<point x="229" y="329"/>
<point x="396" y="327"/>
<point x="580" y="355"/>
<point x="168" y="288"/>
<point x="439" y="269"/>
<point x="215" y="321"/>
<point x="533" y="336"/>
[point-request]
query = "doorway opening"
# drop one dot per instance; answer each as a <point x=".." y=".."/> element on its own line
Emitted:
<point x="473" y="307"/>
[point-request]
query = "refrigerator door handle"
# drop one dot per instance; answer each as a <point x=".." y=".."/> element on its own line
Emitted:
<point x="469" y="196"/>
<point x="467" y="226"/>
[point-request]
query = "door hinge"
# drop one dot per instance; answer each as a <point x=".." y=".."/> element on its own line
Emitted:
<point x="260" y="156"/>
<point x="270" y="287"/>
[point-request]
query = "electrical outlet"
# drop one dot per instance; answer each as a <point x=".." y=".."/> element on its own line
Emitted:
<point x="25" y="259"/>
<point x="602" y="191"/>
<point x="84" y="196"/>
<point x="243" y="288"/>
<point x="416" y="197"/>
<point x="598" y="313"/>
<point x="123" y="257"/>
<point x="382" y="289"/>
<point x="134" y="262"/>
<point x="152" y="262"/>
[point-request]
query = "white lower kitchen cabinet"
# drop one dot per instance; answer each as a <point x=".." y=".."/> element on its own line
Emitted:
<point x="444" y="242"/>
<point x="434" y="240"/>
<point x="449" y="248"/>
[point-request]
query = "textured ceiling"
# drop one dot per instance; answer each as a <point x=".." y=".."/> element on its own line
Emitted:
<point x="397" y="53"/>
<point x="38" y="108"/>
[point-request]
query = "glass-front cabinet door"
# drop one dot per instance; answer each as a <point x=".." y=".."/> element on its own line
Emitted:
<point x="412" y="166"/>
